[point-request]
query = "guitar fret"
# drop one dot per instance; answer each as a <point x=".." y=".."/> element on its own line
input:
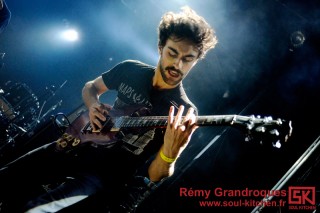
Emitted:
<point x="129" y="124"/>
<point x="148" y="122"/>
<point x="135" y="123"/>
<point x="145" y="122"/>
<point x="118" y="122"/>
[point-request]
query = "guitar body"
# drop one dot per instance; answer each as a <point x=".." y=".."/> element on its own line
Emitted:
<point x="76" y="129"/>
<point x="80" y="132"/>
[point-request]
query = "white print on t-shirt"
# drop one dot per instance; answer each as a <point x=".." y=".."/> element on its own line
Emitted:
<point x="130" y="93"/>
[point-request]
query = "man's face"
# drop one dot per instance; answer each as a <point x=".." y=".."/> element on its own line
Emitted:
<point x="176" y="60"/>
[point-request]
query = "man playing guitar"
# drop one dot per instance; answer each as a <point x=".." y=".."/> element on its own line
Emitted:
<point x="184" y="38"/>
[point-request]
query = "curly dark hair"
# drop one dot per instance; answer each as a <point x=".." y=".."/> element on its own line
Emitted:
<point x="187" y="25"/>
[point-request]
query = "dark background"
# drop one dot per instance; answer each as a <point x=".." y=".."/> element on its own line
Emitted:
<point x="259" y="67"/>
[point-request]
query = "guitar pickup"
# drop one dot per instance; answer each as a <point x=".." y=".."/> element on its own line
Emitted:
<point x="88" y="129"/>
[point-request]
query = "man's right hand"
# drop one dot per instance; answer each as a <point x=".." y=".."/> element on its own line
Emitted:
<point x="97" y="111"/>
<point x="97" y="114"/>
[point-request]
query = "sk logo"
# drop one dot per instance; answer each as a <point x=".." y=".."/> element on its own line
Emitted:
<point x="302" y="195"/>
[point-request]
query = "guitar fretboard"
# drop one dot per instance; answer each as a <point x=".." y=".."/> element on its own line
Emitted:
<point x="162" y="121"/>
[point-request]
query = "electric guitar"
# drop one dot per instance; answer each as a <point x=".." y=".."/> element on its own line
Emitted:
<point x="80" y="131"/>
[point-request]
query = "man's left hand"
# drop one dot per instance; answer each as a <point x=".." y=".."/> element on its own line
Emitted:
<point x="179" y="131"/>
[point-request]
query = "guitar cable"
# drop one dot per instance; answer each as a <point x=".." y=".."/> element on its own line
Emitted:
<point x="58" y="125"/>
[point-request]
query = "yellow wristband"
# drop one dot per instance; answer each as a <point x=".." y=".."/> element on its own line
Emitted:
<point x="167" y="159"/>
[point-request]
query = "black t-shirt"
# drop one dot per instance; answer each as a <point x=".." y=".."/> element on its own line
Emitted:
<point x="133" y="82"/>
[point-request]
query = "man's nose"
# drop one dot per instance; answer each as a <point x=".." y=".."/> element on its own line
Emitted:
<point x="178" y="63"/>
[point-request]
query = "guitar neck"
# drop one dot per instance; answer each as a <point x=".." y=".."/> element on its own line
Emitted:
<point x="162" y="121"/>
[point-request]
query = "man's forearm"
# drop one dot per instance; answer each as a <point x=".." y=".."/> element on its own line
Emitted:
<point x="160" y="169"/>
<point x="90" y="94"/>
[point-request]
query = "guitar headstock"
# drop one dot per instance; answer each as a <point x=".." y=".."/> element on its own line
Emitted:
<point x="264" y="129"/>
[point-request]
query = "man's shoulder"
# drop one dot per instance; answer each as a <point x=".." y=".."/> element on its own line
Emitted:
<point x="133" y="66"/>
<point x="131" y="62"/>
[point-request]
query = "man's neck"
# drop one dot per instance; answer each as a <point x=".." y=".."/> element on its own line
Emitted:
<point x="158" y="83"/>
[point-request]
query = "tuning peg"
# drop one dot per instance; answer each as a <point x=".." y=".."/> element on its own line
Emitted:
<point x="277" y="144"/>
<point x="279" y="121"/>
<point x="261" y="129"/>
<point x="248" y="138"/>
<point x="274" y="132"/>
<point x="249" y="126"/>
<point x="267" y="119"/>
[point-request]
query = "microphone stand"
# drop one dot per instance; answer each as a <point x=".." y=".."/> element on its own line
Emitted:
<point x="35" y="121"/>
<point x="40" y="117"/>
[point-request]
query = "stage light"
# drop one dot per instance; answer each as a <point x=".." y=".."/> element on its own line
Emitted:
<point x="297" y="39"/>
<point x="70" y="35"/>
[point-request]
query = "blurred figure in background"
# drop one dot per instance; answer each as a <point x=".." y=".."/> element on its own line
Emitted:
<point x="5" y="15"/>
